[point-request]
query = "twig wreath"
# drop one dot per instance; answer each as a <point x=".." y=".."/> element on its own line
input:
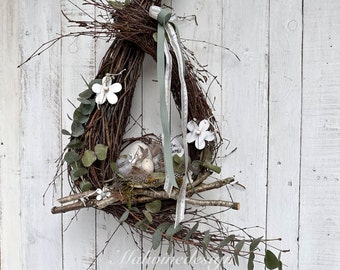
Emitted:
<point x="150" y="186"/>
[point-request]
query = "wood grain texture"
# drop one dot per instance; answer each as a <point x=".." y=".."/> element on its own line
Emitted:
<point x="245" y="110"/>
<point x="285" y="32"/>
<point x="208" y="15"/>
<point x="40" y="110"/>
<point x="320" y="172"/>
<point x="78" y="59"/>
<point x="10" y="195"/>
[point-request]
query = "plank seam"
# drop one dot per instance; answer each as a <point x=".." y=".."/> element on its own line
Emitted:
<point x="268" y="118"/>
<point x="301" y="119"/>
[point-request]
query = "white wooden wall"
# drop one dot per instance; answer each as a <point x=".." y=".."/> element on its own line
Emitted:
<point x="280" y="106"/>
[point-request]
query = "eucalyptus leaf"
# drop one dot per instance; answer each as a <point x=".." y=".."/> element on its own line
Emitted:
<point x="178" y="159"/>
<point x="79" y="117"/>
<point x="124" y="216"/>
<point x="86" y="109"/>
<point x="73" y="178"/>
<point x="147" y="215"/>
<point x="99" y="81"/>
<point x="85" y="186"/>
<point x="154" y="207"/>
<point x="270" y="260"/>
<point x="101" y="151"/>
<point x="114" y="167"/>
<point x="116" y="4"/>
<point x="65" y="132"/>
<point x="71" y="157"/>
<point x="77" y="129"/>
<point x="205" y="242"/>
<point x="171" y="231"/>
<point x="80" y="172"/>
<point x="135" y="209"/>
<point x="141" y="225"/>
<point x="255" y="243"/>
<point x="207" y="154"/>
<point x="74" y="144"/>
<point x="191" y="232"/>
<point x="83" y="100"/>
<point x="169" y="251"/>
<point x="163" y="226"/>
<point x="227" y="240"/>
<point x="86" y="94"/>
<point x="156" y="239"/>
<point x="188" y="253"/>
<point x="251" y="261"/>
<point x="237" y="250"/>
<point x="88" y="158"/>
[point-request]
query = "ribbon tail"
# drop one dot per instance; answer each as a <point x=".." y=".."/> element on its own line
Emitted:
<point x="175" y="44"/>
<point x="170" y="177"/>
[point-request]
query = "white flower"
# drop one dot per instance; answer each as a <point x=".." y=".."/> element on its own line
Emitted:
<point x="106" y="90"/>
<point x="102" y="194"/>
<point x="199" y="133"/>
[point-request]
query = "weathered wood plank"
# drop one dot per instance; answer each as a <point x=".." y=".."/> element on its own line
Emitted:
<point x="245" y="109"/>
<point x="39" y="139"/>
<point x="284" y="126"/>
<point x="78" y="59"/>
<point x="199" y="39"/>
<point x="320" y="171"/>
<point x="121" y="249"/>
<point x="10" y="195"/>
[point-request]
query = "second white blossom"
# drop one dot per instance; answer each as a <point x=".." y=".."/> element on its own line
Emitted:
<point x="199" y="133"/>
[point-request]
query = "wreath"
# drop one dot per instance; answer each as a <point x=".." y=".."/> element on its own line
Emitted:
<point x="148" y="182"/>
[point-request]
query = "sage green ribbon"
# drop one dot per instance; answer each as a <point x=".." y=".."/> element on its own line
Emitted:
<point x="163" y="18"/>
<point x="169" y="29"/>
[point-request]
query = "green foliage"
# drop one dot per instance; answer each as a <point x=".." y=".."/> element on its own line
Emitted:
<point x="191" y="232"/>
<point x="116" y="4"/>
<point x="71" y="157"/>
<point x="124" y="216"/>
<point x="205" y="242"/>
<point x="142" y="225"/>
<point x="238" y="248"/>
<point x="255" y="243"/>
<point x="74" y="144"/>
<point x="88" y="158"/>
<point x="158" y="235"/>
<point x="148" y="216"/>
<point x="171" y="231"/>
<point x="101" y="151"/>
<point x="79" y="117"/>
<point x="65" y="132"/>
<point x="170" y="247"/>
<point x="86" y="94"/>
<point x="156" y="239"/>
<point x="227" y="240"/>
<point x="271" y="261"/>
<point x="154" y="207"/>
<point x="78" y="172"/>
<point x="85" y="186"/>
<point x="77" y="129"/>
<point x="83" y="100"/>
<point x="86" y="109"/>
<point x="207" y="163"/>
<point x="251" y="261"/>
